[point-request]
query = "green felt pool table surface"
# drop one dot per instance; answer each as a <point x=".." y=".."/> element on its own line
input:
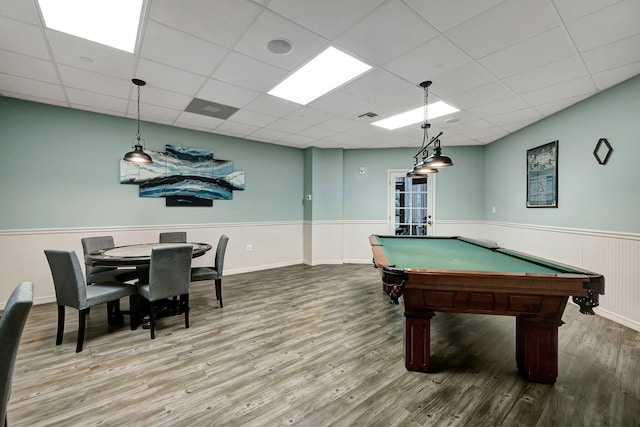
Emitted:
<point x="461" y="254"/>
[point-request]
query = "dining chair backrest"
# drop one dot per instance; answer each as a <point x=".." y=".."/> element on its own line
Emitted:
<point x="12" y="324"/>
<point x="169" y="271"/>
<point x="220" y="251"/>
<point x="92" y="244"/>
<point x="68" y="281"/>
<point x="173" y="237"/>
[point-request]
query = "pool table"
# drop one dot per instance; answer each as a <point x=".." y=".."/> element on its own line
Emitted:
<point x="426" y="274"/>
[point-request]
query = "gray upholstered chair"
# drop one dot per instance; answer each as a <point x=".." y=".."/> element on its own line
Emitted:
<point x="215" y="272"/>
<point x="169" y="274"/>
<point x="12" y="324"/>
<point x="173" y="237"/>
<point x="72" y="291"/>
<point x="99" y="274"/>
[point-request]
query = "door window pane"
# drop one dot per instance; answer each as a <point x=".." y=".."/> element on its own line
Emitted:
<point x="411" y="207"/>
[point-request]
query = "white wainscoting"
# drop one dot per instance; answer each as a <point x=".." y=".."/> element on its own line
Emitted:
<point x="356" y="247"/>
<point x="323" y="242"/>
<point x="614" y="255"/>
<point x="275" y="244"/>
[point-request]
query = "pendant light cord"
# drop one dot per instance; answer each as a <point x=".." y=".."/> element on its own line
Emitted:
<point x="138" y="134"/>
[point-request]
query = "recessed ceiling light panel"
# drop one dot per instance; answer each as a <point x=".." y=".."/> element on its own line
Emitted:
<point x="322" y="74"/>
<point x="109" y="22"/>
<point x="435" y="110"/>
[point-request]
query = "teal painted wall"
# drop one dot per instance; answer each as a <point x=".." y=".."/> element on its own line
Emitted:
<point x="59" y="167"/>
<point x="590" y="196"/>
<point x="460" y="188"/>
<point x="327" y="180"/>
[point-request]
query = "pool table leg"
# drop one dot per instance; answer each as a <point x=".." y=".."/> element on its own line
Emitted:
<point x="537" y="348"/>
<point x="417" y="341"/>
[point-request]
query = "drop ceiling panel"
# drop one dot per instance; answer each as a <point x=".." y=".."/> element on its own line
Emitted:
<point x="167" y="115"/>
<point x="339" y="124"/>
<point x="617" y="54"/>
<point x="329" y="18"/>
<point x="341" y="103"/>
<point x="163" y="76"/>
<point x="90" y="56"/>
<point x="386" y="33"/>
<point x="581" y="86"/>
<point x="268" y="135"/>
<point x="461" y="79"/>
<point x="605" y="26"/>
<point x="30" y="42"/>
<point x="241" y="70"/>
<point x="94" y="82"/>
<point x="198" y="121"/>
<point x="253" y="118"/>
<point x="481" y="95"/>
<point x="309" y="116"/>
<point x="571" y="10"/>
<point x="272" y="105"/>
<point x="519" y="116"/>
<point x="21" y="10"/>
<point x="151" y="94"/>
<point x="609" y="78"/>
<point x="378" y="86"/>
<point x="225" y="93"/>
<point x="229" y="127"/>
<point x="550" y="74"/>
<point x="27" y="66"/>
<point x="315" y="132"/>
<point x="269" y="26"/>
<point x="287" y="126"/>
<point x="219" y="21"/>
<point x="96" y="100"/>
<point x="31" y="88"/>
<point x="502" y="26"/>
<point x="179" y="50"/>
<point x="532" y="53"/>
<point x="499" y="107"/>
<point x="427" y="60"/>
<point x="440" y="13"/>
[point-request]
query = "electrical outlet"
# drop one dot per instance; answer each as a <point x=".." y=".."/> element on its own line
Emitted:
<point x="249" y="248"/>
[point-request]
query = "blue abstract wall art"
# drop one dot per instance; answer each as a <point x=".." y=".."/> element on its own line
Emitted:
<point x="183" y="176"/>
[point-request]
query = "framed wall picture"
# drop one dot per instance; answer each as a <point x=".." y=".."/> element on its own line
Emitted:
<point x="542" y="176"/>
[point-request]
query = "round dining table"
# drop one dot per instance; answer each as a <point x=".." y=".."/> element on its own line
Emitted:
<point x="135" y="255"/>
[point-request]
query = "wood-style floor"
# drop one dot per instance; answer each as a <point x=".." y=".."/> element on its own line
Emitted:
<point x="315" y="346"/>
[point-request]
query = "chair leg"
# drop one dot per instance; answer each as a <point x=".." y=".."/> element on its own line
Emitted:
<point x="184" y="302"/>
<point x="134" y="311"/>
<point x="152" y="319"/>
<point x="219" y="291"/>
<point x="60" y="332"/>
<point x="82" y="319"/>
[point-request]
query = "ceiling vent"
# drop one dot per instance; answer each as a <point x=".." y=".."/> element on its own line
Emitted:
<point x="211" y="109"/>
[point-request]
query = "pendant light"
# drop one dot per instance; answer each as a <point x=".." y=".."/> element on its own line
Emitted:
<point x="429" y="164"/>
<point x="138" y="155"/>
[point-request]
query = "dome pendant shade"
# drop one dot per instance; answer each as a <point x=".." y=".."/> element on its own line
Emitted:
<point x="424" y="169"/>
<point x="137" y="155"/>
<point x="437" y="160"/>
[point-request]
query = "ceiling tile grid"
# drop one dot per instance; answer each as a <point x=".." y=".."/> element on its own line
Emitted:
<point x="504" y="63"/>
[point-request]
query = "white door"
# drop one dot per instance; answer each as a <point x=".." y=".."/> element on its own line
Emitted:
<point x="411" y="204"/>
